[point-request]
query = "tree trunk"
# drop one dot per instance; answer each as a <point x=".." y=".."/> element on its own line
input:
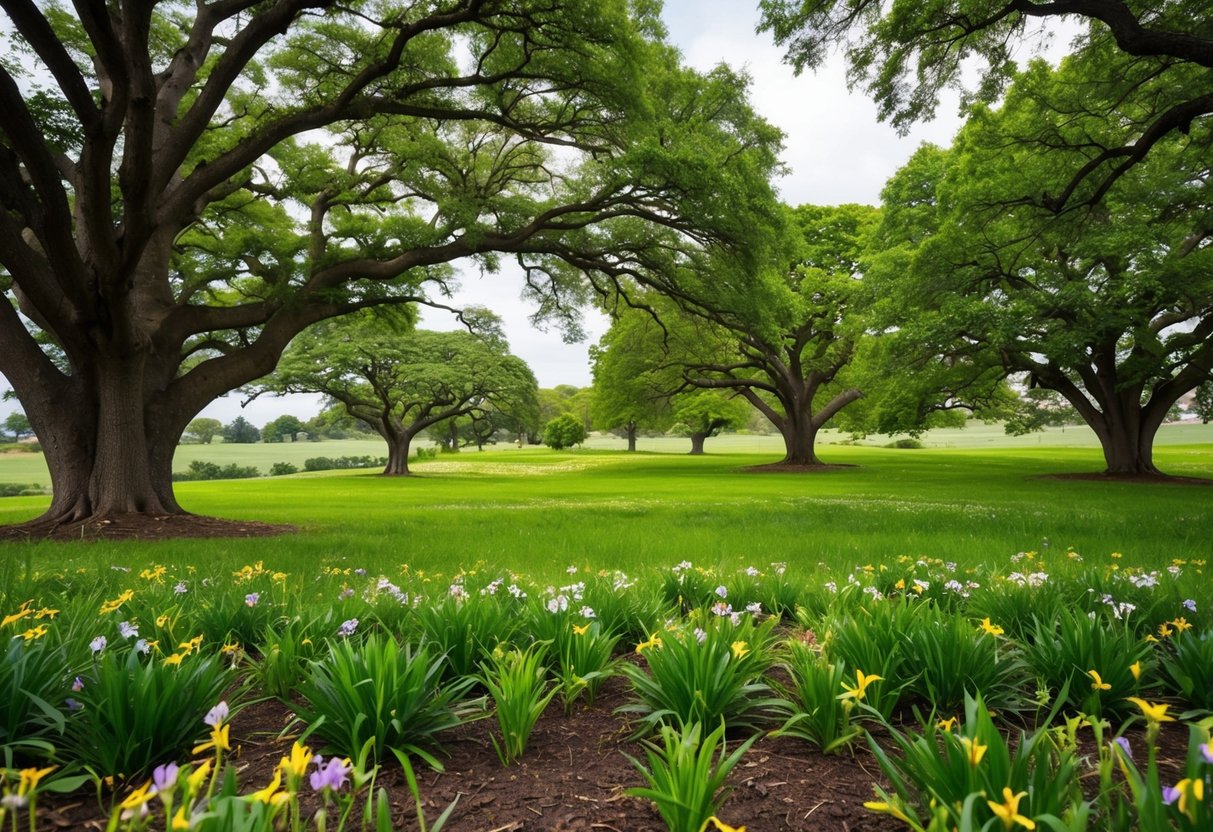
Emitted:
<point x="631" y="434"/>
<point x="398" y="455"/>
<point x="697" y="440"/>
<point x="799" y="439"/>
<point x="1128" y="446"/>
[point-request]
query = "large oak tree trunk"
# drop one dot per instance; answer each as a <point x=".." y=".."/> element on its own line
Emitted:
<point x="697" y="440"/>
<point x="1128" y="444"/>
<point x="631" y="434"/>
<point x="799" y="438"/>
<point x="398" y="443"/>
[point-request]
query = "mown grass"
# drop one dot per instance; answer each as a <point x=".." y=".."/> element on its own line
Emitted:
<point x="535" y="511"/>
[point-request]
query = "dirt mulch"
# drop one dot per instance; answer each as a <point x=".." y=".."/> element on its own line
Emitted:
<point x="141" y="527"/>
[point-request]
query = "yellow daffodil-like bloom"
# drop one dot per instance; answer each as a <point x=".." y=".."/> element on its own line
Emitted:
<point x="229" y="648"/>
<point x="901" y="584"/>
<point x="1097" y="683"/>
<point x="1135" y="669"/>
<point x="992" y="629"/>
<point x="296" y="765"/>
<point x="581" y="629"/>
<point x="109" y="606"/>
<point x="35" y="632"/>
<point x="175" y="658"/>
<point x="278" y="577"/>
<point x="138" y="797"/>
<point x="181" y="821"/>
<point x="191" y="645"/>
<point x="194" y="781"/>
<point x="1191" y="794"/>
<point x="1008" y="810"/>
<point x="1164" y="629"/>
<point x="721" y="826"/>
<point x="30" y="777"/>
<point x="946" y="724"/>
<point x="918" y="588"/>
<point x="740" y="648"/>
<point x="153" y="574"/>
<point x="267" y="794"/>
<point x="887" y="809"/>
<point x="46" y="612"/>
<point x="1150" y="639"/>
<point x="15" y="617"/>
<point x="1181" y="624"/>
<point x="218" y="740"/>
<point x="654" y="641"/>
<point x="974" y="750"/>
<point x="1154" y="712"/>
<point x="862" y="681"/>
<point x="163" y="620"/>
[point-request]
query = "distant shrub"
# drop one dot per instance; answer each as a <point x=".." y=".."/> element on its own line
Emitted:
<point x="325" y="463"/>
<point x="906" y="444"/>
<point x="20" y="448"/>
<point x="427" y="453"/>
<point x="203" y="470"/>
<point x="15" y="489"/>
<point x="565" y="431"/>
<point x="282" y="469"/>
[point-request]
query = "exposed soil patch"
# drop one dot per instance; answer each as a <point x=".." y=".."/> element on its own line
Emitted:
<point x="1140" y="479"/>
<point x="574" y="774"/>
<point x="788" y="468"/>
<point x="141" y="527"/>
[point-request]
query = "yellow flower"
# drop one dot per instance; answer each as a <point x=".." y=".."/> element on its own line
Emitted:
<point x="229" y="648"/>
<point x="194" y="781"/>
<point x="1164" y="629"/>
<point x="1135" y="669"/>
<point x="1191" y="793"/>
<point x="1097" y="683"/>
<point x="581" y="629"/>
<point x="138" y="797"/>
<point x="888" y="809"/>
<point x="946" y="724"/>
<point x="163" y="620"/>
<point x="267" y="794"/>
<point x="862" y="681"/>
<point x="740" y="648"/>
<point x="1008" y="810"/>
<point x="153" y="574"/>
<point x="15" y="617"/>
<point x="191" y="645"/>
<point x="175" y="658"/>
<point x="1154" y="712"/>
<point x="296" y="765"/>
<point x="654" y="641"/>
<point x="218" y="740"/>
<point x="181" y="822"/>
<point x="35" y="632"/>
<point x="974" y="750"/>
<point x="1180" y="624"/>
<point x="110" y="606"/>
<point x="46" y="612"/>
<point x="992" y="629"/>
<point x="721" y="826"/>
<point x="901" y="584"/>
<point x="30" y="777"/>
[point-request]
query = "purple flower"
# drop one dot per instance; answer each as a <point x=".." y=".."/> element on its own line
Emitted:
<point x="360" y="572"/>
<point x="330" y="775"/>
<point x="1169" y="795"/>
<point x="78" y="685"/>
<point x="722" y="591"/>
<point x="141" y="646"/>
<point x="126" y="629"/>
<point x="164" y="777"/>
<point x="1190" y="605"/>
<point x="217" y="715"/>
<point x="97" y="644"/>
<point x="252" y="598"/>
<point x="1206" y="752"/>
<point x="345" y="593"/>
<point x="348" y="628"/>
<point x="72" y="704"/>
<point x="1124" y="746"/>
<point x="181" y="588"/>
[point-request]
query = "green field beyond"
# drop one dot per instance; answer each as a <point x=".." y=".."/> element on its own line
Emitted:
<point x="535" y="511"/>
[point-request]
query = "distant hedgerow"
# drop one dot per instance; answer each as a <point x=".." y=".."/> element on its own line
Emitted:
<point x="325" y="463"/>
<point x="202" y="470"/>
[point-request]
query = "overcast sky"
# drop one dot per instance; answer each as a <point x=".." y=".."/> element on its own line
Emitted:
<point x="835" y="150"/>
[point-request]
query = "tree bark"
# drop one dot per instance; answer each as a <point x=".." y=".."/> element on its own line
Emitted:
<point x="398" y="454"/>
<point x="697" y="440"/>
<point x="799" y="438"/>
<point x="1128" y="445"/>
<point x="630" y="427"/>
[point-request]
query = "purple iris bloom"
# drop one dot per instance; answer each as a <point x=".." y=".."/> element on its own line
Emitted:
<point x="330" y="775"/>
<point x="165" y="777"/>
<point x="1124" y="745"/>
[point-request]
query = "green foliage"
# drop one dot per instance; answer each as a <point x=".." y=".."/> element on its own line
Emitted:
<point x="564" y="431"/>
<point x="686" y="775"/>
<point x="240" y="432"/>
<point x="1187" y="668"/>
<point x="954" y="659"/>
<point x="466" y="632"/>
<point x="137" y="711"/>
<point x="34" y="684"/>
<point x="202" y="470"/>
<point x="283" y="469"/>
<point x="710" y="674"/>
<point x="517" y="680"/>
<point x="815" y="713"/>
<point x="282" y="429"/>
<point x="342" y="463"/>
<point x="381" y="692"/>
<point x="583" y="660"/>
<point x="13" y="489"/>
<point x="202" y="430"/>
<point x="285" y="649"/>
<point x="17" y="425"/>
<point x="870" y="637"/>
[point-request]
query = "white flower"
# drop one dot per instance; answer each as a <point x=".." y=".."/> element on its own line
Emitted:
<point x="516" y="591"/>
<point x="588" y="612"/>
<point x="181" y="588"/>
<point x="572" y="570"/>
<point x="458" y="592"/>
<point x="751" y="571"/>
<point x="141" y="646"/>
<point x="754" y="608"/>
<point x="701" y="635"/>
<point x="97" y="644"/>
<point x="1190" y="605"/>
<point x="217" y="715"/>
<point x="722" y="591"/>
<point x="126" y="629"/>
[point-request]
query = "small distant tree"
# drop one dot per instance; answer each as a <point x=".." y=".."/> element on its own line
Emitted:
<point x="241" y="432"/>
<point x="283" y="428"/>
<point x="705" y="414"/>
<point x="565" y="431"/>
<point x="16" y="424"/>
<point x="202" y="430"/>
<point x="1202" y="405"/>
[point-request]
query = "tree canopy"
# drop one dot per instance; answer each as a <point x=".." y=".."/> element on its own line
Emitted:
<point x="1151" y="67"/>
<point x="186" y="187"/>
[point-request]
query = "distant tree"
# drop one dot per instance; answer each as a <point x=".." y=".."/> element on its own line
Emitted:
<point x="17" y="425"/>
<point x="630" y="394"/>
<point x="401" y="383"/>
<point x="332" y="422"/>
<point x="241" y="432"/>
<point x="202" y="430"/>
<point x="565" y="431"/>
<point x="705" y="413"/>
<point x="283" y="428"/>
<point x="1203" y="403"/>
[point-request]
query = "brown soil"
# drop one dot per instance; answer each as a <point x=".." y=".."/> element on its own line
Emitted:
<point x="1139" y="479"/>
<point x="141" y="527"/>
<point x="574" y="775"/>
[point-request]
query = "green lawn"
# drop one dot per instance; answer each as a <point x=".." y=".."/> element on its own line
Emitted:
<point x="537" y="511"/>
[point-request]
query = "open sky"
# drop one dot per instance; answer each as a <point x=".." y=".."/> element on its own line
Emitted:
<point x="836" y="152"/>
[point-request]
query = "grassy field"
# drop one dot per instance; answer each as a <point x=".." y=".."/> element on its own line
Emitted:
<point x="536" y="511"/>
